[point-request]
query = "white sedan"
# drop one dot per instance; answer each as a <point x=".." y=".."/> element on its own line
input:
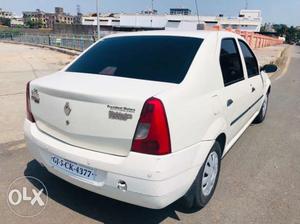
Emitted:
<point x="146" y="117"/>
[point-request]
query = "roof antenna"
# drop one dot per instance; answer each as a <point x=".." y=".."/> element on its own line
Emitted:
<point x="246" y="4"/>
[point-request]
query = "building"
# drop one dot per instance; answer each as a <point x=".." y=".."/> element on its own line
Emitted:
<point x="59" y="16"/>
<point x="5" y="18"/>
<point x="250" y="14"/>
<point x="5" y="14"/>
<point x="62" y="17"/>
<point x="35" y="19"/>
<point x="41" y="19"/>
<point x="149" y="12"/>
<point x="9" y="19"/>
<point x="17" y="22"/>
<point x="143" y="21"/>
<point x="248" y="20"/>
<point x="109" y="20"/>
<point x="59" y="10"/>
<point x="180" y="11"/>
<point x="78" y="18"/>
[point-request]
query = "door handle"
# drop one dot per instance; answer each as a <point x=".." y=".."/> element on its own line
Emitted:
<point x="253" y="89"/>
<point x="229" y="102"/>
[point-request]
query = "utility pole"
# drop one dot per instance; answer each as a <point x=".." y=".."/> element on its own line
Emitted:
<point x="78" y="10"/>
<point x="152" y="12"/>
<point x="152" y="6"/>
<point x="197" y="10"/>
<point x="98" y="19"/>
<point x="246" y="4"/>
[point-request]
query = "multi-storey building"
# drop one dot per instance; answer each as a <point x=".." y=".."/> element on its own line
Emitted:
<point x="178" y="19"/>
<point x="5" y="14"/>
<point x="248" y="20"/>
<point x="47" y="20"/>
<point x="180" y="11"/>
<point x="37" y="19"/>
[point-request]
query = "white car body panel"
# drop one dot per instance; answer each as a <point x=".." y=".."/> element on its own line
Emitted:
<point x="196" y="110"/>
<point x="89" y="97"/>
<point x="152" y="181"/>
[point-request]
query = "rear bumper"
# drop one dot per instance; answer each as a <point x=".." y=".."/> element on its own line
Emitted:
<point x="152" y="181"/>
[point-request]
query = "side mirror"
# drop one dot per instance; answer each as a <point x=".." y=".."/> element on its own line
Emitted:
<point x="270" y="68"/>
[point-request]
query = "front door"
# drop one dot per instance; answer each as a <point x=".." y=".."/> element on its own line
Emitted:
<point x="255" y="81"/>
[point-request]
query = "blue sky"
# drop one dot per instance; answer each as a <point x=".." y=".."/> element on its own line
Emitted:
<point x="276" y="11"/>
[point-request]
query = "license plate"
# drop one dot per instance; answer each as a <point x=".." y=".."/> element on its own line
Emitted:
<point x="73" y="168"/>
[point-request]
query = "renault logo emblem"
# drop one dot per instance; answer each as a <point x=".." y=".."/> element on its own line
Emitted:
<point x="35" y="96"/>
<point x="67" y="109"/>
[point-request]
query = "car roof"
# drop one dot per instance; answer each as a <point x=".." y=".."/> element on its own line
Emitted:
<point x="203" y="34"/>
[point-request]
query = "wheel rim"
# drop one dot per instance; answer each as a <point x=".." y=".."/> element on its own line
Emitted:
<point x="210" y="173"/>
<point x="264" y="106"/>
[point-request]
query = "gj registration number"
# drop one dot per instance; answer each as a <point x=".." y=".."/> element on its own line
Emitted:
<point x="73" y="168"/>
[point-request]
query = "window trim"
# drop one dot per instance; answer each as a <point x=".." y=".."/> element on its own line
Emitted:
<point x="249" y="48"/>
<point x="238" y="51"/>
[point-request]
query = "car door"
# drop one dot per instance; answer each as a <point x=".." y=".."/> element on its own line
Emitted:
<point x="255" y="81"/>
<point x="235" y="94"/>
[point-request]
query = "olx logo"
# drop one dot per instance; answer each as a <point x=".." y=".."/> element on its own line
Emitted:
<point x="23" y="196"/>
<point x="27" y="196"/>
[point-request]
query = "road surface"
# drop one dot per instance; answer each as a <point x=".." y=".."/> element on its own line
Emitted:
<point x="259" y="180"/>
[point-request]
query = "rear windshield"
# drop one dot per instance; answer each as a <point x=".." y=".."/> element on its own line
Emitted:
<point x="155" y="58"/>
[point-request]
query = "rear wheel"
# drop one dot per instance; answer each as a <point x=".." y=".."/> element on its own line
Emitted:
<point x="263" y="111"/>
<point x="205" y="183"/>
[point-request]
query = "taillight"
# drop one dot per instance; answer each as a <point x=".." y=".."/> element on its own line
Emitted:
<point x="152" y="133"/>
<point x="28" y="106"/>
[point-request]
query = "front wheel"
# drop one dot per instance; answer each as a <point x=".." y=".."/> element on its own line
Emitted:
<point x="205" y="183"/>
<point x="263" y="111"/>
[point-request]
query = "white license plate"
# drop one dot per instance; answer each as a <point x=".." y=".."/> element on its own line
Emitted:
<point x="73" y="168"/>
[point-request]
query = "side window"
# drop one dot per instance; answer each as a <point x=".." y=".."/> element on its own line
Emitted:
<point x="250" y="59"/>
<point x="230" y="60"/>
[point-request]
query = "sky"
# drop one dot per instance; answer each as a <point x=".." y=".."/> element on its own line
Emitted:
<point x="274" y="11"/>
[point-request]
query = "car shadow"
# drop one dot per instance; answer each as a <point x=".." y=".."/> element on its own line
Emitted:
<point x="95" y="206"/>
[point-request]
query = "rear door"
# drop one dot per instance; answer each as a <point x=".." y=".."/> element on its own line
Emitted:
<point x="255" y="81"/>
<point x="236" y="89"/>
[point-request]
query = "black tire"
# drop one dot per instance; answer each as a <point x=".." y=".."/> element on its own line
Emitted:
<point x="195" y="197"/>
<point x="263" y="111"/>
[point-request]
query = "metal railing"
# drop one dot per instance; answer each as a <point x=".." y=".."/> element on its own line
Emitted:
<point x="79" y="43"/>
<point x="255" y="40"/>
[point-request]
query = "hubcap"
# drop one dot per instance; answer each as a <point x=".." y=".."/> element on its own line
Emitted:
<point x="264" y="107"/>
<point x="210" y="173"/>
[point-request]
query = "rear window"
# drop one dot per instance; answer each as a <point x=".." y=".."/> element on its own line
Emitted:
<point x="155" y="58"/>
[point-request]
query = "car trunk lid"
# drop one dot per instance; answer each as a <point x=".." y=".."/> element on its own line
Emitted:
<point x="98" y="113"/>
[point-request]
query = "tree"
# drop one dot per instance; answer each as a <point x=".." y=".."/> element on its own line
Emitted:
<point x="4" y="21"/>
<point x="291" y="34"/>
<point x="34" y="23"/>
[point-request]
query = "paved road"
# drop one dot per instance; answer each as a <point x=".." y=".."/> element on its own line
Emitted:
<point x="259" y="181"/>
<point x="18" y="65"/>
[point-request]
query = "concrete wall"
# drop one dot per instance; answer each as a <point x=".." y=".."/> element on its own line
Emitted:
<point x="79" y="29"/>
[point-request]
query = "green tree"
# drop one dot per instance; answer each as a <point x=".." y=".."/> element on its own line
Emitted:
<point x="4" y="21"/>
<point x="263" y="28"/>
<point x="291" y="34"/>
<point x="34" y="24"/>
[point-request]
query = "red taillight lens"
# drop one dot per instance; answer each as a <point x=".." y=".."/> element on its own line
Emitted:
<point x="28" y="106"/>
<point x="152" y="134"/>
